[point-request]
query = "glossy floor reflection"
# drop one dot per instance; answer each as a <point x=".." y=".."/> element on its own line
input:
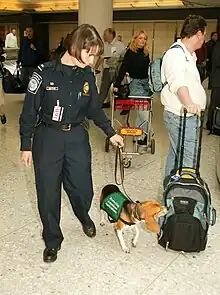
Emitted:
<point x="98" y="266"/>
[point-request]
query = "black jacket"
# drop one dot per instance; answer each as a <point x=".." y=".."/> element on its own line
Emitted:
<point x="210" y="46"/>
<point x="134" y="63"/>
<point x="215" y="74"/>
<point x="29" y="57"/>
<point x="73" y="88"/>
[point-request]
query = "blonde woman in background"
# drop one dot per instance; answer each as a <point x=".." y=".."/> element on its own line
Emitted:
<point x="136" y="63"/>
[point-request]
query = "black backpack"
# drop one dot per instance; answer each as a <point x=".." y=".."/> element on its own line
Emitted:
<point x="188" y="199"/>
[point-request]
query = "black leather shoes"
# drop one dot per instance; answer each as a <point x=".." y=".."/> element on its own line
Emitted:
<point x="50" y="255"/>
<point x="89" y="229"/>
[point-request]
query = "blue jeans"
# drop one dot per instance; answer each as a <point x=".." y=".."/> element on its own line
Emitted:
<point x="140" y="87"/>
<point x="174" y="125"/>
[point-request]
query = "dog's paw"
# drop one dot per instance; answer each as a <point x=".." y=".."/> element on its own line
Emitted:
<point x="102" y="223"/>
<point x="126" y="250"/>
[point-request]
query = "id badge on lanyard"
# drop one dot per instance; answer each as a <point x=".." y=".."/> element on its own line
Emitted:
<point x="57" y="112"/>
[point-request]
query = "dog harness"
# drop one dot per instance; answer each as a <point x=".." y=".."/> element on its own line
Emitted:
<point x="113" y="205"/>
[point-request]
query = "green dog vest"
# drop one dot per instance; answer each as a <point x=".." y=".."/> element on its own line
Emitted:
<point x="113" y="204"/>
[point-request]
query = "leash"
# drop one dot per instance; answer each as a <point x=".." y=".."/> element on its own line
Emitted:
<point x="119" y="161"/>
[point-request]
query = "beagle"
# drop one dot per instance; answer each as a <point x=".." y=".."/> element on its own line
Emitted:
<point x="133" y="213"/>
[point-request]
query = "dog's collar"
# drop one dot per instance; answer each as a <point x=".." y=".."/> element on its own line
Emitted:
<point x="136" y="212"/>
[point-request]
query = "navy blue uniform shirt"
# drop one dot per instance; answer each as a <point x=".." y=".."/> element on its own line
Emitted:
<point x="75" y="90"/>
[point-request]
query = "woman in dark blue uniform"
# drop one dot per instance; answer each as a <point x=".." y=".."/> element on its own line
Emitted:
<point x="60" y="95"/>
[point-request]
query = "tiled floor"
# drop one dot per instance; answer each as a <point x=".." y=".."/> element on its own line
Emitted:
<point x="98" y="266"/>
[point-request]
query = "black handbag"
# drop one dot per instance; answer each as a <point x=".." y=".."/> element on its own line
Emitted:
<point x="12" y="83"/>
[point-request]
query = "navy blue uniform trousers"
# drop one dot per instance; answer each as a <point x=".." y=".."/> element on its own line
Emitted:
<point x="61" y="157"/>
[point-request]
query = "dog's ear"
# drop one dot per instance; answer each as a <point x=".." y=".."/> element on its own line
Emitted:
<point x="149" y="209"/>
<point x="152" y="225"/>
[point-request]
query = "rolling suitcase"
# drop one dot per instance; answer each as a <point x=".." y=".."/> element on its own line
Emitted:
<point x="190" y="213"/>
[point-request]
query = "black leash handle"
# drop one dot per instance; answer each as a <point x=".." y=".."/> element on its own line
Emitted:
<point x="118" y="160"/>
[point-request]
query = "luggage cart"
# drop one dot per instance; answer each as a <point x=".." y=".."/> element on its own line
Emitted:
<point x="133" y="103"/>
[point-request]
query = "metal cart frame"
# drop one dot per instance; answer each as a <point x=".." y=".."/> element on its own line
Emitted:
<point x="133" y="103"/>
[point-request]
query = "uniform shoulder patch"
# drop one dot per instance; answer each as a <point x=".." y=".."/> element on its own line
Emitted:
<point x="35" y="83"/>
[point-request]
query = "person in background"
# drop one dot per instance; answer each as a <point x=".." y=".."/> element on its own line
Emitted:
<point x="215" y="85"/>
<point x="2" y="93"/>
<point x="183" y="89"/>
<point x="2" y="44"/>
<point x="210" y="45"/>
<point x="11" y="39"/>
<point x="112" y="51"/>
<point x="119" y="38"/>
<point x="201" y="55"/>
<point x="135" y="64"/>
<point x="30" y="55"/>
<point x="65" y="92"/>
<point x="60" y="47"/>
<point x="66" y="42"/>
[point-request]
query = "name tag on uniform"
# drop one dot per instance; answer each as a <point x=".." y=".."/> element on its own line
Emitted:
<point x="52" y="88"/>
<point x="57" y="112"/>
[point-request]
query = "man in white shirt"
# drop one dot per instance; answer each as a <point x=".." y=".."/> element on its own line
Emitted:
<point x="11" y="39"/>
<point x="183" y="89"/>
<point x="112" y="52"/>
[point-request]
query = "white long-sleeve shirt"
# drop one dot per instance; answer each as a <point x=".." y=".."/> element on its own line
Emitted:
<point x="113" y="50"/>
<point x="11" y="41"/>
<point x="178" y="70"/>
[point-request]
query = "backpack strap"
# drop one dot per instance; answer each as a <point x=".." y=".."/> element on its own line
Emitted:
<point x="172" y="47"/>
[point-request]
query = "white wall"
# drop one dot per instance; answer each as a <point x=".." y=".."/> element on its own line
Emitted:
<point x="56" y="31"/>
<point x="160" y="33"/>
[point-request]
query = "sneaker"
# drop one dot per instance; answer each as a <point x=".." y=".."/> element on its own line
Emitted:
<point x="3" y="119"/>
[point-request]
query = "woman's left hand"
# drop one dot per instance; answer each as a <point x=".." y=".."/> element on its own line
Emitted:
<point x="117" y="140"/>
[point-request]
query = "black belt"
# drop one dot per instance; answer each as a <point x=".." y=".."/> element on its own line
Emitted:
<point x="62" y="127"/>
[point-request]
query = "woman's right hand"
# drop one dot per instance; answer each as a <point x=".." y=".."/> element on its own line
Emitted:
<point x="115" y="89"/>
<point x="26" y="158"/>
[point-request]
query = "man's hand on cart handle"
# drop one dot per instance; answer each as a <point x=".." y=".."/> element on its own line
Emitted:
<point x="117" y="140"/>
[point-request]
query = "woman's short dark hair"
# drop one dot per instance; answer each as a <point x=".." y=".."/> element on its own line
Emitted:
<point x="84" y="37"/>
<point x="192" y="25"/>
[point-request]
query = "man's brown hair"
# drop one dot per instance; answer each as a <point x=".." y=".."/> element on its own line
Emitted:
<point x="111" y="31"/>
<point x="192" y="25"/>
<point x="84" y="37"/>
